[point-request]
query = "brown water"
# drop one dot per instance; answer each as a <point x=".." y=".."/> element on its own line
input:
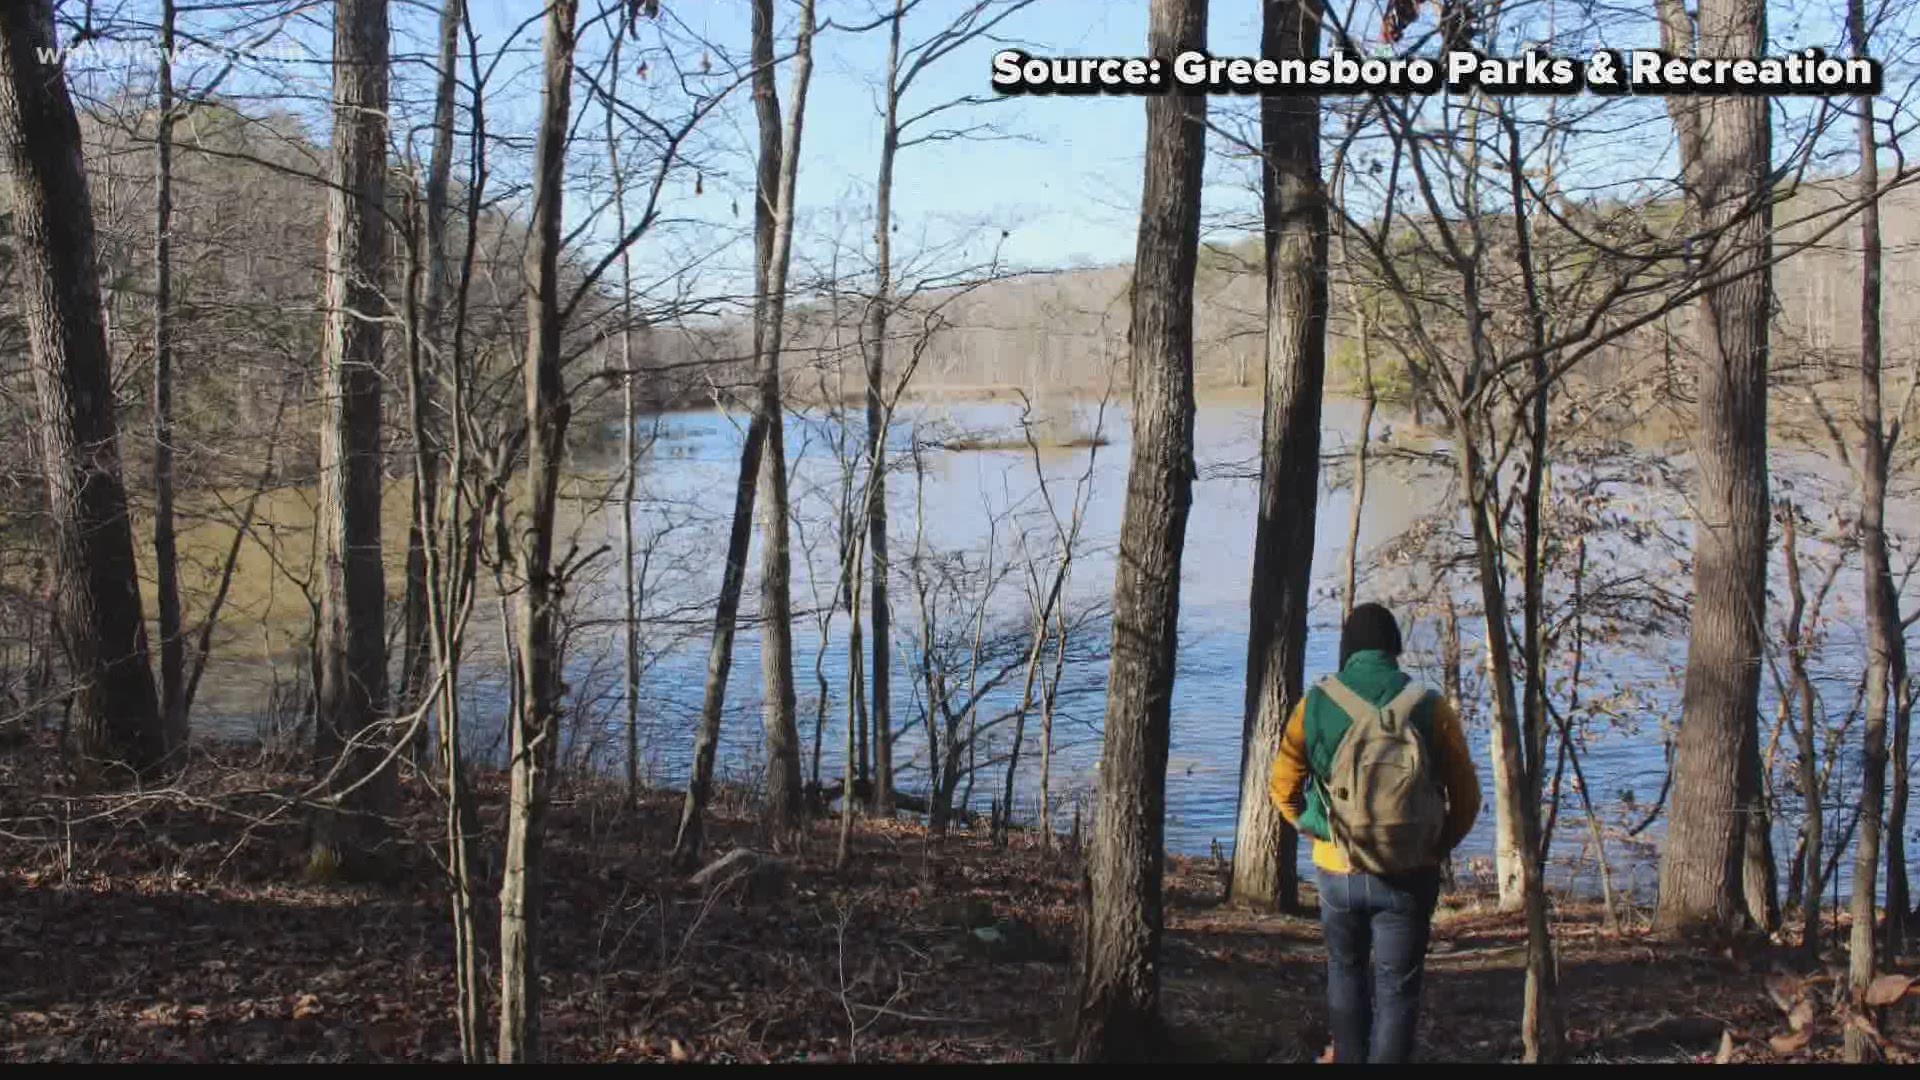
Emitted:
<point x="983" y="506"/>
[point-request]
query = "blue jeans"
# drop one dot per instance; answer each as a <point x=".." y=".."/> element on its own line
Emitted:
<point x="1376" y="930"/>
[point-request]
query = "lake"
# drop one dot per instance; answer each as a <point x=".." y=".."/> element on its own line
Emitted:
<point x="977" y="515"/>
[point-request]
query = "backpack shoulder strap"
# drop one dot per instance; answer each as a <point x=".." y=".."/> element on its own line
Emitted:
<point x="1404" y="704"/>
<point x="1356" y="707"/>
<point x="1406" y="700"/>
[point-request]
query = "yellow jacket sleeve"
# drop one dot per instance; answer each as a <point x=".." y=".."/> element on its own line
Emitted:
<point x="1455" y="764"/>
<point x="1287" y="781"/>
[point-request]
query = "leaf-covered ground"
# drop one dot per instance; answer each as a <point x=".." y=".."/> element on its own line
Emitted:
<point x="175" y="927"/>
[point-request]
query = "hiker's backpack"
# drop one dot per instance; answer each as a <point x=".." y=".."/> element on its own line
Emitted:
<point x="1383" y="799"/>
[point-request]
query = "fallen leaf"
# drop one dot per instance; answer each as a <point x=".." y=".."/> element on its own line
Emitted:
<point x="1791" y="1043"/>
<point x="1801" y="1016"/>
<point x="1888" y="989"/>
<point x="1783" y="989"/>
<point x="678" y="1051"/>
<point x="307" y="1005"/>
<point x="1726" y="1048"/>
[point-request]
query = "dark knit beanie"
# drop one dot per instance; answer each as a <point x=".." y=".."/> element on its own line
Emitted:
<point x="1369" y="627"/>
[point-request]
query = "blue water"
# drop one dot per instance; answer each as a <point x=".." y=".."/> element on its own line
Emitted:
<point x="980" y="512"/>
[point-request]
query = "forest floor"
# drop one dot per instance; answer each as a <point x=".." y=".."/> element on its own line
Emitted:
<point x="174" y="926"/>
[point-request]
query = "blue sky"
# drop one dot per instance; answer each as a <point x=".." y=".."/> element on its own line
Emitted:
<point x="1065" y="185"/>
<point x="1065" y="188"/>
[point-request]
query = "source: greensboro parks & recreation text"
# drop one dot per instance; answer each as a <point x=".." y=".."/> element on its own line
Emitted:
<point x="1606" y="71"/>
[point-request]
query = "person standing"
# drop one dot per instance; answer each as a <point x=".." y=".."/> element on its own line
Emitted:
<point x="1375" y="769"/>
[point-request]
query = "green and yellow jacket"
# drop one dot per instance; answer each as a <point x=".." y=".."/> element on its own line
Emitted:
<point x="1313" y="734"/>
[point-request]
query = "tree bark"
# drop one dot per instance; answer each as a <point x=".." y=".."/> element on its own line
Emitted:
<point x="876" y="333"/>
<point x="783" y="807"/>
<point x="1725" y="154"/>
<point x="1034" y="652"/>
<point x="118" y="724"/>
<point x="630" y="585"/>
<point x="166" y="558"/>
<point x="1899" y="926"/>
<point x="1509" y="850"/>
<point x="1293" y="197"/>
<point x="1118" y="1013"/>
<point x="536" y="729"/>
<point x="1048" y="694"/>
<point x="350" y="652"/>
<point x="1811" y="823"/>
<point x="766" y="227"/>
<point x="416" y="648"/>
<point x="849" y="773"/>
<point x="1883" y="616"/>
<point x="1759" y="874"/>
<point x="1542" y="1026"/>
<point x="688" y="838"/>
<point x="1363" y="436"/>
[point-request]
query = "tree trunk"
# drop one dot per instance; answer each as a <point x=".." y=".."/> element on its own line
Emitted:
<point x="776" y="607"/>
<point x="1049" y="693"/>
<point x="1118" y="1013"/>
<point x="1887" y="634"/>
<point x="688" y="838"/>
<point x="1363" y="434"/>
<point x="1811" y="822"/>
<point x="876" y="334"/>
<point x="1725" y="153"/>
<point x="1034" y="652"/>
<point x="118" y="724"/>
<point x="1759" y="874"/>
<point x="1883" y="616"/>
<point x="630" y="587"/>
<point x="775" y="620"/>
<point x="351" y="675"/>
<point x="630" y="464"/>
<point x="1903" y="919"/>
<point x="449" y="597"/>
<point x="850" y="775"/>
<point x="1509" y="850"/>
<point x="536" y="728"/>
<point x="1293" y="197"/>
<point x="166" y="559"/>
<point x="1542" y="1025"/>
<point x="416" y="648"/>
<point x="1533" y="558"/>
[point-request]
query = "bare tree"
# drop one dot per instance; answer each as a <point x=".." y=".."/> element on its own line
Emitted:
<point x="876" y="340"/>
<point x="762" y="461"/>
<point x="166" y="558"/>
<point x="776" y="603"/>
<point x="446" y="547"/>
<point x="536" y="720"/>
<point x="1801" y="688"/>
<point x="629" y="446"/>
<point x="1725" y="144"/>
<point x="119" y="726"/>
<point x="426" y="354"/>
<point x="350" y="647"/>
<point x="1045" y="600"/>
<point x="1118" y="1012"/>
<point x="1294" y="210"/>
<point x="898" y="132"/>
<point x="1884" y="638"/>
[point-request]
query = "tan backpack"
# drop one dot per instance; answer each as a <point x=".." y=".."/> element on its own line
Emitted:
<point x="1383" y="798"/>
